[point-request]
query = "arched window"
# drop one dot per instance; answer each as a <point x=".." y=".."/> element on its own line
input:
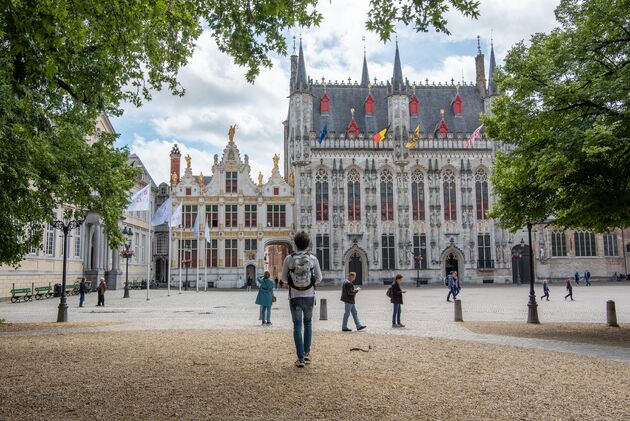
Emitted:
<point x="450" y="201"/>
<point x="324" y="104"/>
<point x="354" y="196"/>
<point x="369" y="105"/>
<point x="481" y="194"/>
<point x="321" y="195"/>
<point x="387" y="196"/>
<point x="417" y="195"/>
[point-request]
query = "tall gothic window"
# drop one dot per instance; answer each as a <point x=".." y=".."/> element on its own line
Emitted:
<point x="484" y="250"/>
<point x="389" y="261"/>
<point x="231" y="182"/>
<point x="322" y="248"/>
<point x="584" y="243"/>
<point x="387" y="196"/>
<point x="610" y="244"/>
<point x="450" y="201"/>
<point x="420" y="249"/>
<point x="354" y="196"/>
<point x="417" y="195"/>
<point x="481" y="193"/>
<point x="558" y="244"/>
<point x="212" y="253"/>
<point x="321" y="195"/>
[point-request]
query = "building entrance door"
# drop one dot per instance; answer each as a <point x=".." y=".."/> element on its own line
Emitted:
<point x="356" y="265"/>
<point x="452" y="264"/>
<point x="251" y="274"/>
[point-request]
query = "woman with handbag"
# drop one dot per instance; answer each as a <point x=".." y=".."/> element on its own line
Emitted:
<point x="265" y="297"/>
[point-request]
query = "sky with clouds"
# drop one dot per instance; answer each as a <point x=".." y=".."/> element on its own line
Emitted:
<point x="217" y="94"/>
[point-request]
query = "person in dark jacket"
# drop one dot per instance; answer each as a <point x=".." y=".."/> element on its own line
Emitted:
<point x="82" y="291"/>
<point x="577" y="278"/>
<point x="348" y="292"/>
<point x="545" y="290"/>
<point x="102" y="287"/>
<point x="570" y="289"/>
<point x="396" y="298"/>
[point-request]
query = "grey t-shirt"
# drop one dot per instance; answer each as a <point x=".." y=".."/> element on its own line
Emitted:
<point x="295" y="293"/>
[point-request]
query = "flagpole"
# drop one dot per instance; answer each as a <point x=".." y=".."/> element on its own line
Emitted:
<point x="170" y="246"/>
<point x="205" y="259"/>
<point x="179" y="248"/>
<point x="149" y="251"/>
<point x="197" y="262"/>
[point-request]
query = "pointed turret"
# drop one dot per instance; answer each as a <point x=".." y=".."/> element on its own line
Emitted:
<point x="397" y="78"/>
<point x="492" y="87"/>
<point x="300" y="76"/>
<point x="479" y="70"/>
<point x="365" y="77"/>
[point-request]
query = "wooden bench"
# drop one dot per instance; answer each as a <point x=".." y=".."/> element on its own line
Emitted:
<point x="43" y="292"/>
<point x="21" y="293"/>
<point x="72" y="289"/>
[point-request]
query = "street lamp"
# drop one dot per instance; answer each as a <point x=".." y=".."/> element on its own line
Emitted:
<point x="532" y="313"/>
<point x="187" y="262"/>
<point x="127" y="253"/>
<point x="66" y="226"/>
<point x="418" y="259"/>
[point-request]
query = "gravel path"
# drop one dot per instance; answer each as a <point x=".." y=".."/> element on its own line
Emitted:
<point x="249" y="375"/>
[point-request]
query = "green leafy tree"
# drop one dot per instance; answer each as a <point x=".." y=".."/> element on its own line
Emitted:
<point x="63" y="63"/>
<point x="565" y="114"/>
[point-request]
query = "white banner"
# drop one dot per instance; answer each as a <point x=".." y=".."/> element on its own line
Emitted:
<point x="141" y="201"/>
<point x="176" y="218"/>
<point x="163" y="214"/>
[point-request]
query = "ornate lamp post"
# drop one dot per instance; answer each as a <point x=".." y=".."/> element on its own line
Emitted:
<point x="418" y="259"/>
<point x="187" y="262"/>
<point x="66" y="226"/>
<point x="532" y="307"/>
<point x="127" y="253"/>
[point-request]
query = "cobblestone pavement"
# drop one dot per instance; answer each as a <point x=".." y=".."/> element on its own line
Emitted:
<point x="425" y="312"/>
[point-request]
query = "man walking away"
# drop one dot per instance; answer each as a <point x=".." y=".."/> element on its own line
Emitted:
<point x="301" y="271"/>
<point x="82" y="290"/>
<point x="545" y="290"/>
<point x="570" y="289"/>
<point x="577" y="278"/>
<point x="348" y="292"/>
<point x="587" y="278"/>
<point x="102" y="287"/>
<point x="451" y="283"/>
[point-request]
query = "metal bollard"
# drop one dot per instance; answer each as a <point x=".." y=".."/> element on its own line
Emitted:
<point x="611" y="314"/>
<point x="323" y="309"/>
<point x="458" y="310"/>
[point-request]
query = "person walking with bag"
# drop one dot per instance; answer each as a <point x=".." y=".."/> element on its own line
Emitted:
<point x="348" y="293"/>
<point x="301" y="271"/>
<point x="570" y="289"/>
<point x="265" y="297"/>
<point x="396" y="298"/>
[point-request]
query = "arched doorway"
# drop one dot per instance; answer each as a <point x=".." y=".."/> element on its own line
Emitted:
<point x="451" y="264"/>
<point x="453" y="260"/>
<point x="356" y="261"/>
<point x="520" y="264"/>
<point x="250" y="273"/>
<point x="275" y="253"/>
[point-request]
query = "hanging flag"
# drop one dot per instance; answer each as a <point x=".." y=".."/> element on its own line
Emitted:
<point x="206" y="232"/>
<point x="176" y="217"/>
<point x="323" y="134"/>
<point x="196" y="226"/>
<point x="378" y="137"/>
<point x="475" y="135"/>
<point x="163" y="214"/>
<point x="414" y="140"/>
<point x="140" y="201"/>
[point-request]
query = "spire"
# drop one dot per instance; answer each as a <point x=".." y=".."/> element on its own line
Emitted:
<point x="397" y="79"/>
<point x="300" y="77"/>
<point x="492" y="87"/>
<point x="365" y="77"/>
<point x="480" y="73"/>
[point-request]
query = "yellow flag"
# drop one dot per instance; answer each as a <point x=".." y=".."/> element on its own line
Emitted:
<point x="414" y="140"/>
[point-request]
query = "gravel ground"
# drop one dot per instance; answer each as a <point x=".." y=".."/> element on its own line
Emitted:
<point x="591" y="333"/>
<point x="250" y="375"/>
<point x="20" y="327"/>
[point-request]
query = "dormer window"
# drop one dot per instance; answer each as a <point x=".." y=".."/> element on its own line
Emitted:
<point x="353" y="128"/>
<point x="457" y="105"/>
<point x="231" y="182"/>
<point x="369" y="105"/>
<point x="443" y="129"/>
<point x="413" y="105"/>
<point x="324" y="104"/>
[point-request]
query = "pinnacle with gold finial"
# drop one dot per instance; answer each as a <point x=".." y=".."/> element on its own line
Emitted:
<point x="442" y="112"/>
<point x="352" y="112"/>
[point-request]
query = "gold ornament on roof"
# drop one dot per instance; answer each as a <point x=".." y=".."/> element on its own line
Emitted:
<point x="201" y="183"/>
<point x="187" y="158"/>
<point x="260" y="179"/>
<point x="231" y="133"/>
<point x="173" y="178"/>
<point x="352" y="112"/>
<point x="442" y="112"/>
<point x="457" y="88"/>
<point x="276" y="158"/>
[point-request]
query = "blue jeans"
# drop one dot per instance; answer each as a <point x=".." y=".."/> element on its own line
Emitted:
<point x="302" y="312"/>
<point x="265" y="310"/>
<point x="396" y="315"/>
<point x="350" y="308"/>
<point x="82" y="298"/>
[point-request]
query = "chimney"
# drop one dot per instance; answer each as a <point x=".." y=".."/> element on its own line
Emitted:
<point x="480" y="70"/>
<point x="175" y="158"/>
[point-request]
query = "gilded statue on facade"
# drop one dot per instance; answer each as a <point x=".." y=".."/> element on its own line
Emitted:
<point x="260" y="179"/>
<point x="291" y="180"/>
<point x="201" y="183"/>
<point x="231" y="132"/>
<point x="173" y="178"/>
<point x="276" y="158"/>
<point x="187" y="158"/>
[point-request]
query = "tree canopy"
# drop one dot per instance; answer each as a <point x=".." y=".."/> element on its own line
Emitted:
<point x="63" y="63"/>
<point x="564" y="114"/>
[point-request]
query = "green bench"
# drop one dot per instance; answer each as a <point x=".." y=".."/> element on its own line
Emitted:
<point x="43" y="292"/>
<point x="21" y="293"/>
<point x="72" y="289"/>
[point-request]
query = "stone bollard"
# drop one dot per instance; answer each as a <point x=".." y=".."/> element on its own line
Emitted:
<point x="323" y="309"/>
<point x="611" y="314"/>
<point x="458" y="310"/>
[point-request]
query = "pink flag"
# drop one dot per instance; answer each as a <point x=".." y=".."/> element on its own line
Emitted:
<point x="475" y="135"/>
